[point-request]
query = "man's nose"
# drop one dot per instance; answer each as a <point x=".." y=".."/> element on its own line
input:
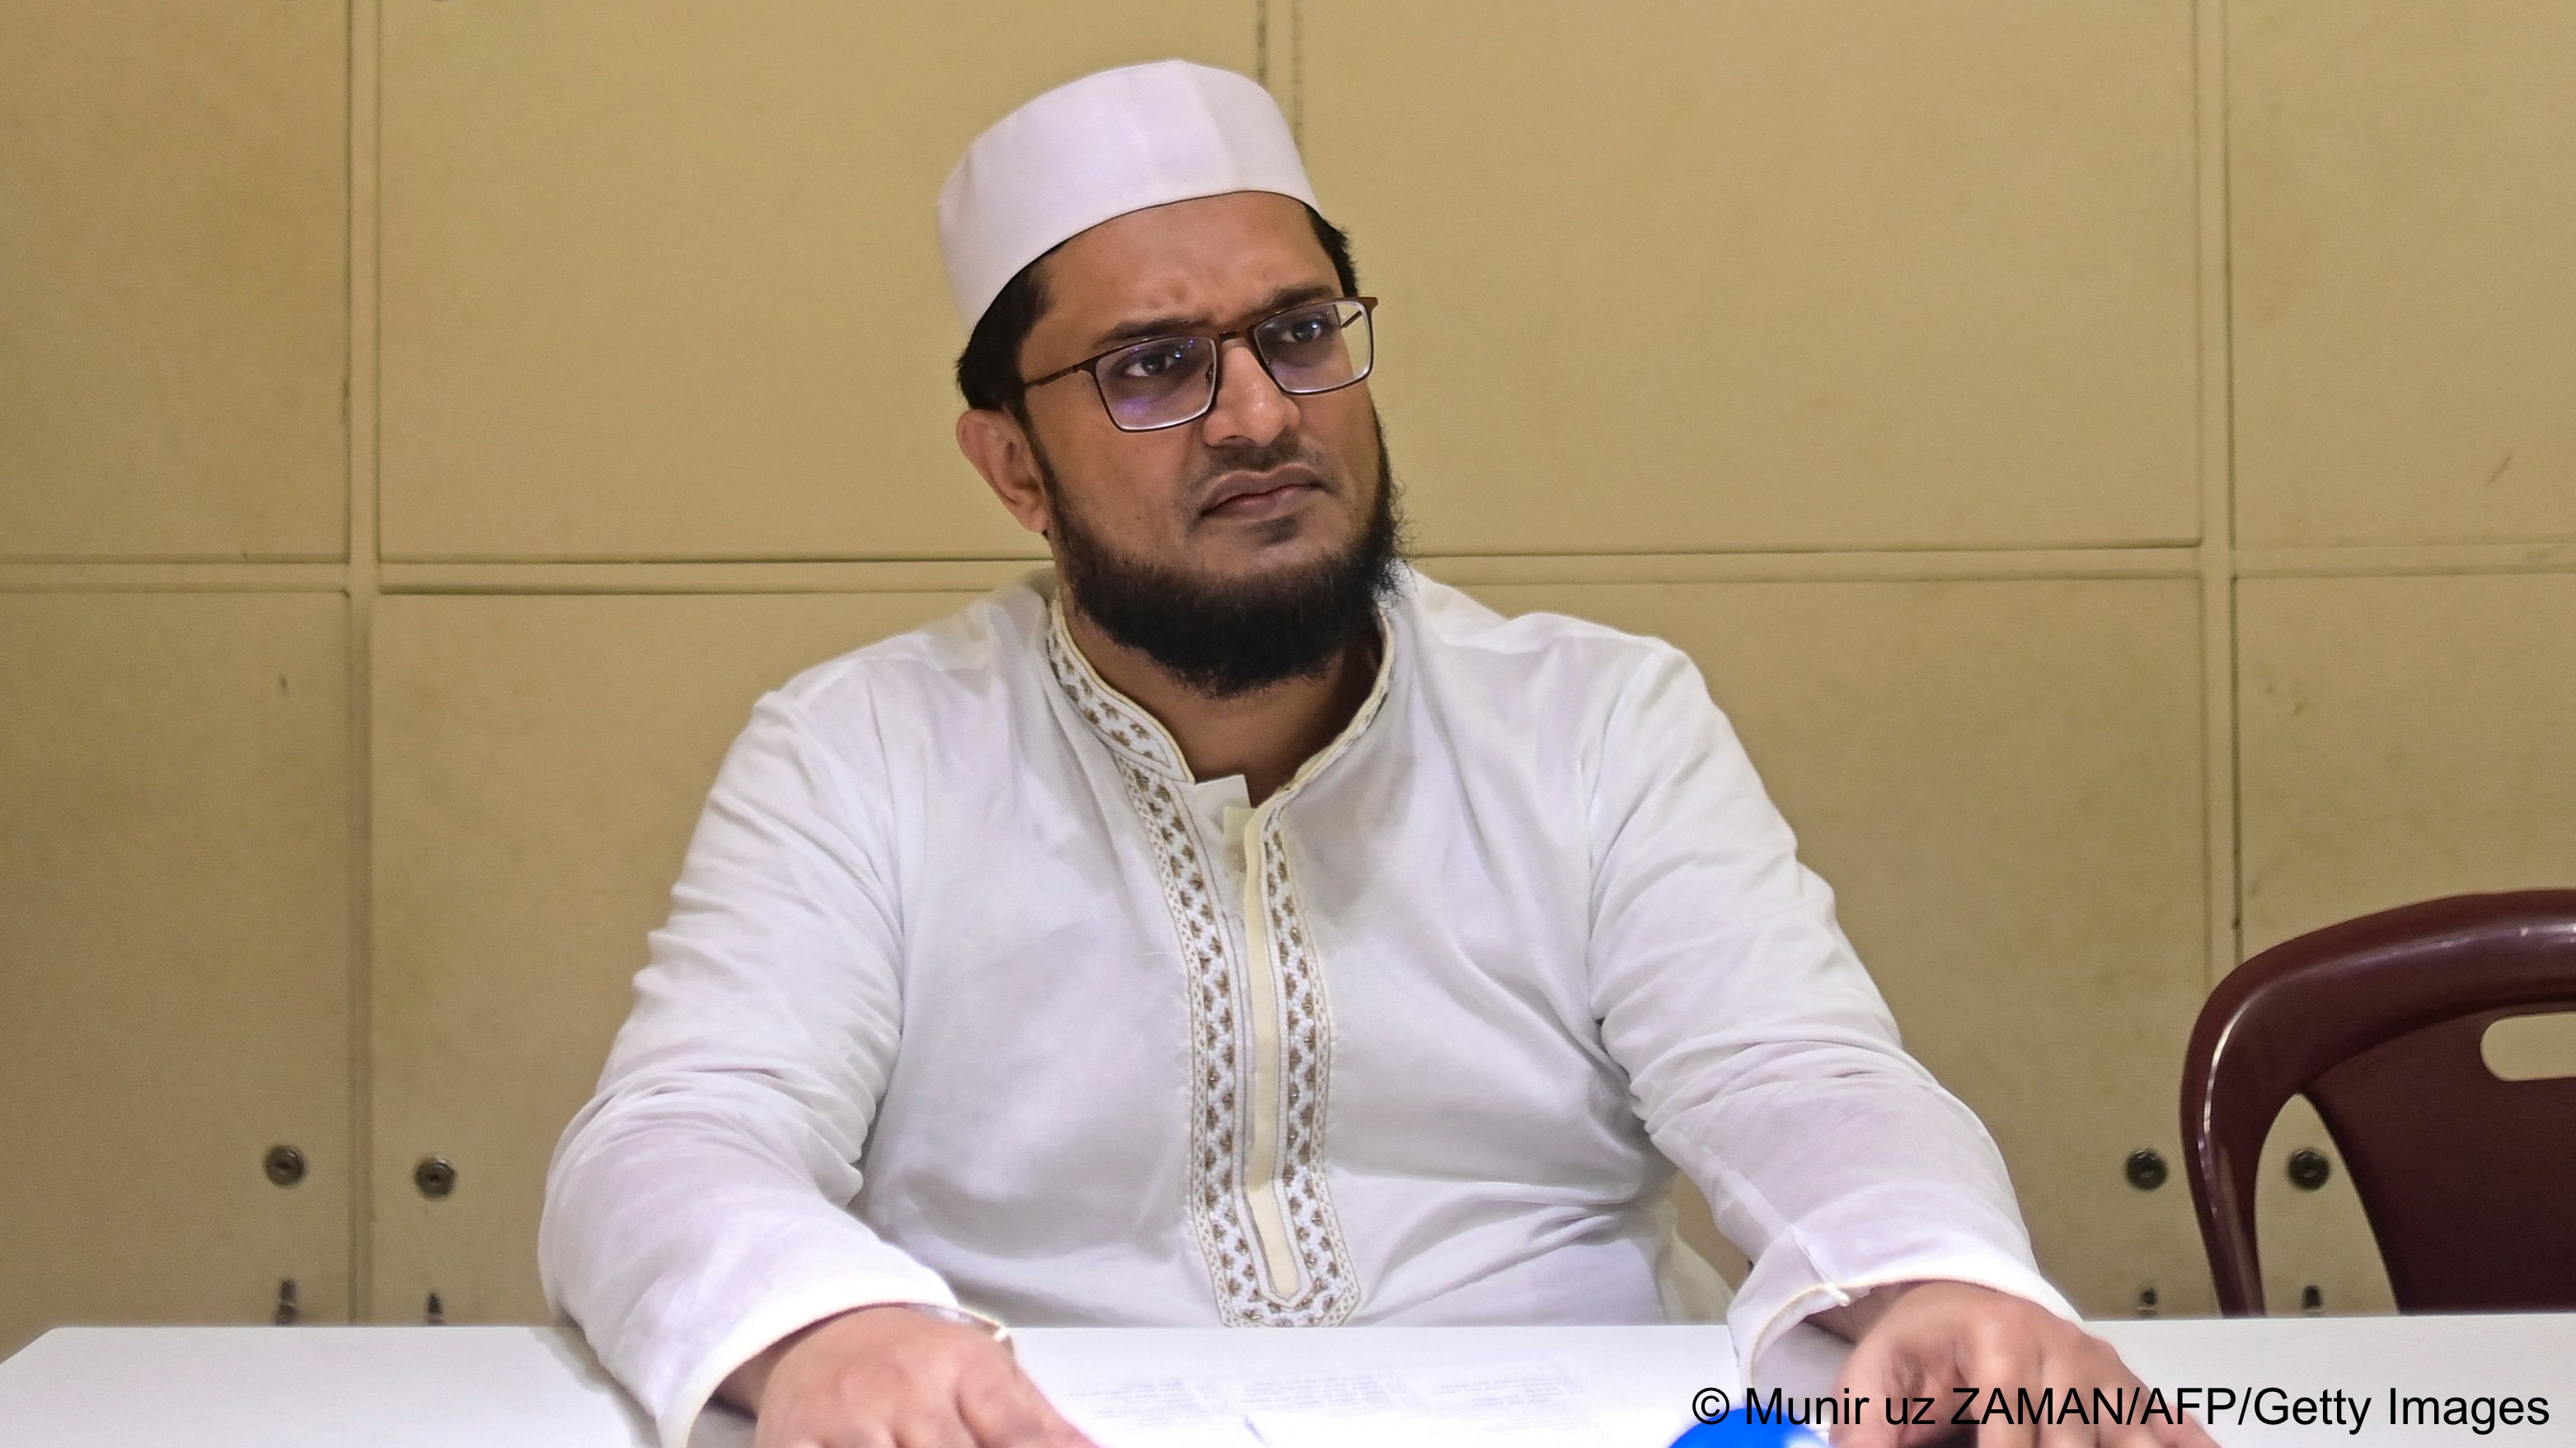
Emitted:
<point x="1250" y="408"/>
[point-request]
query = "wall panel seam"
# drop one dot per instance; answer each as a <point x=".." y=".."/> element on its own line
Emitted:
<point x="365" y="258"/>
<point x="168" y="560"/>
<point x="2428" y="559"/>
<point x="173" y="578"/>
<point x="1297" y="69"/>
<point x="1977" y="548"/>
<point x="981" y="574"/>
<point x="2223" y="797"/>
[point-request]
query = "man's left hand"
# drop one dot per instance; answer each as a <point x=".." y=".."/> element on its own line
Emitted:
<point x="1930" y="1339"/>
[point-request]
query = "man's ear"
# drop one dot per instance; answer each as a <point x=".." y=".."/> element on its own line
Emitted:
<point x="993" y="440"/>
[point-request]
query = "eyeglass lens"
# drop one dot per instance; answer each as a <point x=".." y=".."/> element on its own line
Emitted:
<point x="1171" y="380"/>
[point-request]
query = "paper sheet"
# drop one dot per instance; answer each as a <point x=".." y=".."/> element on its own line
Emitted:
<point x="1516" y="1404"/>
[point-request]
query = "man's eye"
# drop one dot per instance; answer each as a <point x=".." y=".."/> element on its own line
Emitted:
<point x="1150" y="363"/>
<point x="1306" y="327"/>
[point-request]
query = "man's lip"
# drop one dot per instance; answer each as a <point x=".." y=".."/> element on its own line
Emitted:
<point x="1245" y="485"/>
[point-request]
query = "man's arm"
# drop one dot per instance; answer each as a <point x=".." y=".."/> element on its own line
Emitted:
<point x="1764" y="1063"/>
<point x="697" y="1209"/>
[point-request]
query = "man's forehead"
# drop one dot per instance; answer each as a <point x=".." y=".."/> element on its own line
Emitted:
<point x="1204" y="260"/>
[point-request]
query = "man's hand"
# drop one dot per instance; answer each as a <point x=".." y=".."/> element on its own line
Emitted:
<point x="890" y="1377"/>
<point x="1924" y="1339"/>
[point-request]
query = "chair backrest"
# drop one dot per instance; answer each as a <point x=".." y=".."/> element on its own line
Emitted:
<point x="2469" y="1180"/>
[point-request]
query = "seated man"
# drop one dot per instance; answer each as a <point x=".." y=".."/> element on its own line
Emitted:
<point x="1233" y="926"/>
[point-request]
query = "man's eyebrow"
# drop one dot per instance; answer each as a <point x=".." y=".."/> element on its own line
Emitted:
<point x="1165" y="326"/>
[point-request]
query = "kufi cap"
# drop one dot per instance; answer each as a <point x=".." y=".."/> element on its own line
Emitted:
<point x="1112" y="142"/>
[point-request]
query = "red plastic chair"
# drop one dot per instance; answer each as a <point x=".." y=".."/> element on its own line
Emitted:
<point x="2469" y="1181"/>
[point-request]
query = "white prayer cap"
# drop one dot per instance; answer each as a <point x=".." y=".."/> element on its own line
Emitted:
<point x="1112" y="142"/>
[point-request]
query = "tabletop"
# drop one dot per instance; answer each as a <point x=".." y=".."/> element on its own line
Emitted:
<point x="2259" y="1382"/>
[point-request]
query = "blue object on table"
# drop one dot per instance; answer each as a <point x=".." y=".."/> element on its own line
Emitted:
<point x="1738" y="1429"/>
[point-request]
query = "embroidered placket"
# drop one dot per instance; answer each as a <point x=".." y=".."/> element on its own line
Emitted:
<point x="1261" y="1036"/>
<point x="1267" y="1097"/>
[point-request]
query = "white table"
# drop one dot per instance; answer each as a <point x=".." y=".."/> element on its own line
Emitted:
<point x="532" y="1387"/>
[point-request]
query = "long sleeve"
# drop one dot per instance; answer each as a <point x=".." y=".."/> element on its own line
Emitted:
<point x="697" y="1208"/>
<point x="1761" y="1058"/>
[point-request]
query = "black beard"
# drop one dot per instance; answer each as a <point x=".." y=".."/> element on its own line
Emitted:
<point x="1224" y="637"/>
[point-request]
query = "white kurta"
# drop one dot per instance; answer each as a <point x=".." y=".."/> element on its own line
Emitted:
<point x="970" y="993"/>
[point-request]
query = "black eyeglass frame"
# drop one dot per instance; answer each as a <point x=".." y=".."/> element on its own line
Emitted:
<point x="1216" y="370"/>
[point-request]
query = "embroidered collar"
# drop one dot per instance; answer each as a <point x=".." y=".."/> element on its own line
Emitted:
<point x="1136" y="735"/>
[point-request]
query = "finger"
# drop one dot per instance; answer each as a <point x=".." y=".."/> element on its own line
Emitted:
<point x="2148" y="1429"/>
<point x="2072" y="1374"/>
<point x="1005" y="1410"/>
<point x="860" y="1436"/>
<point x="1879" y="1372"/>
<point x="1059" y="1430"/>
<point x="1005" y="1422"/>
<point x="2134" y="1435"/>
<point x="1919" y="1376"/>
<point x="1998" y="1354"/>
<point x="2138" y="1432"/>
<point x="778" y="1430"/>
<point x="2063" y="1375"/>
<point x="2185" y="1434"/>
<point x="933" y="1428"/>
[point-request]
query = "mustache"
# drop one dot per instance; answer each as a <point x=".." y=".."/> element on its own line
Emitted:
<point x="1279" y="452"/>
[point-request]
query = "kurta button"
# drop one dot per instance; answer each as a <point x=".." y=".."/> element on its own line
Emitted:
<point x="435" y="1176"/>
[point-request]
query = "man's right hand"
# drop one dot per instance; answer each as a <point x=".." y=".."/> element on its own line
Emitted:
<point x="890" y="1377"/>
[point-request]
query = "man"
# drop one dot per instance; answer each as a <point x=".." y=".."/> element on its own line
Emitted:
<point x="1234" y="926"/>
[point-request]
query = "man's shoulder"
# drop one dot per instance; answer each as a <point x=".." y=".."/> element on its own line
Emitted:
<point x="959" y="657"/>
<point x="1460" y="631"/>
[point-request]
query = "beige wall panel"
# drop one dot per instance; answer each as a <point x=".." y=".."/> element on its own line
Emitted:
<point x="1697" y="1227"/>
<point x="2003" y="781"/>
<point x="1773" y="275"/>
<point x="539" y="764"/>
<point x="2314" y="1239"/>
<point x="2403" y="211"/>
<point x="2531" y="1048"/>
<point x="174" y="967"/>
<point x="2403" y="738"/>
<point x="662" y="280"/>
<point x="173" y="279"/>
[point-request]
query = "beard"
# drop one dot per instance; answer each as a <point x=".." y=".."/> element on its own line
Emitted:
<point x="1224" y="637"/>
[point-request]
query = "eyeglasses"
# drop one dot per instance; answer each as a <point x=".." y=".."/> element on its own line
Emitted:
<point x="1163" y="382"/>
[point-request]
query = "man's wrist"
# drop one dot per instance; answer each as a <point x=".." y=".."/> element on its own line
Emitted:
<point x="744" y="1386"/>
<point x="1852" y="1321"/>
<point x="993" y="1328"/>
